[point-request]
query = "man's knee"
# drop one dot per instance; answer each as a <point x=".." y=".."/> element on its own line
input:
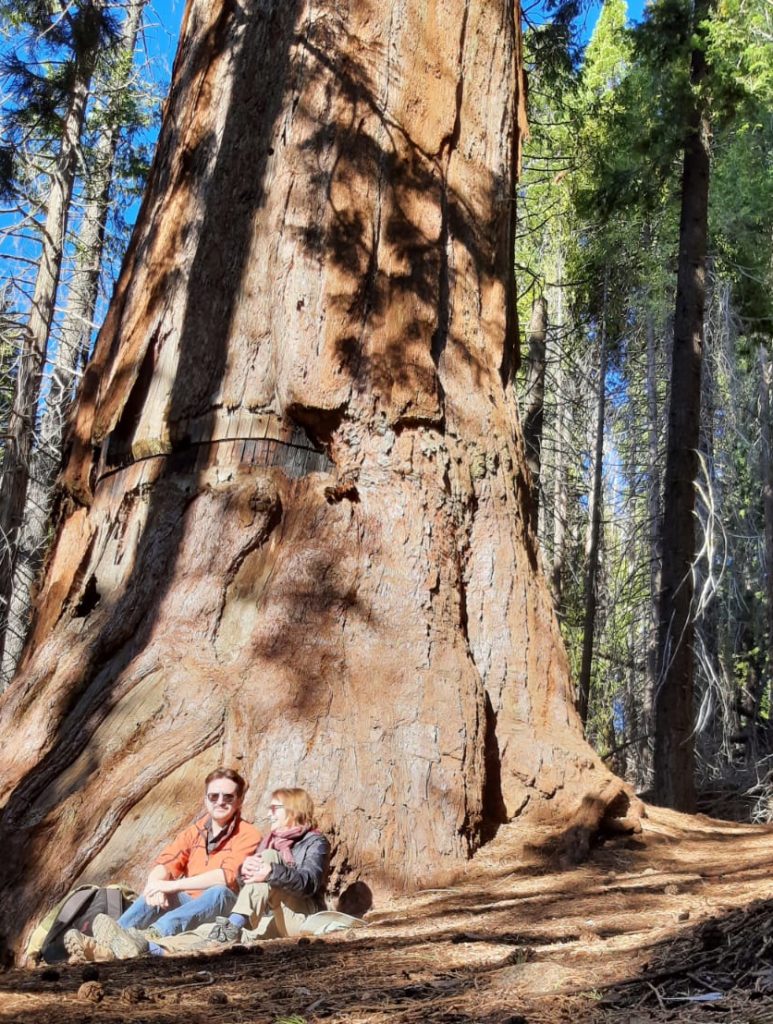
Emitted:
<point x="220" y="892"/>
<point x="218" y="897"/>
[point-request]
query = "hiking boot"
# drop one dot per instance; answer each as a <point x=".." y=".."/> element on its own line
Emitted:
<point x="124" y="943"/>
<point x="84" y="949"/>
<point x="224" y="931"/>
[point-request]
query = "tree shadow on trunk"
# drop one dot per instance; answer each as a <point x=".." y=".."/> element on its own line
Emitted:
<point x="211" y="606"/>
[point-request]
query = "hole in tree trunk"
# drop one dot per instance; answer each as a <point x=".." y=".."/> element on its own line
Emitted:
<point x="89" y="599"/>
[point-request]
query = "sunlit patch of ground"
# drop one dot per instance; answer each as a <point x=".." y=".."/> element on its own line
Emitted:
<point x="621" y="938"/>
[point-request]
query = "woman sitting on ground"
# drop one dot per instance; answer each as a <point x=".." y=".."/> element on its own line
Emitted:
<point x="287" y="874"/>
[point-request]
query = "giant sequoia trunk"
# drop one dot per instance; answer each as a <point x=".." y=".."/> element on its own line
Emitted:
<point x="293" y="531"/>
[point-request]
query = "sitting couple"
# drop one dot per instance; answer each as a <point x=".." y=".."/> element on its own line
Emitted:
<point x="195" y="880"/>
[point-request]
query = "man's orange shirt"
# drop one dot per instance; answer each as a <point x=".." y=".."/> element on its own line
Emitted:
<point x="187" y="854"/>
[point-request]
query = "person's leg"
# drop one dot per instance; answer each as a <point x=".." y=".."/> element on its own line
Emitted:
<point x="245" y="915"/>
<point x="140" y="914"/>
<point x="290" y="912"/>
<point x="252" y="902"/>
<point x="195" y="910"/>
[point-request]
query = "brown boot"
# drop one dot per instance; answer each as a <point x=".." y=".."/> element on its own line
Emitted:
<point x="124" y="943"/>
<point x="84" y="949"/>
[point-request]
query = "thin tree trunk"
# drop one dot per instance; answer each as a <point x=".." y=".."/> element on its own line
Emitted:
<point x="708" y="514"/>
<point x="674" y="713"/>
<point x="535" y="400"/>
<point x="21" y="430"/>
<point x="654" y="533"/>
<point x="594" y="524"/>
<point x="560" y="465"/>
<point x="766" y="473"/>
<point x="294" y="533"/>
<point x="72" y="353"/>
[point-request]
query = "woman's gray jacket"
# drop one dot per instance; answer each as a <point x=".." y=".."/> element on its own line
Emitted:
<point x="308" y="875"/>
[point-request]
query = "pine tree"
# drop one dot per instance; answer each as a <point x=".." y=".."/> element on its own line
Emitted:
<point x="78" y="33"/>
<point x="116" y="114"/>
<point x="674" y="712"/>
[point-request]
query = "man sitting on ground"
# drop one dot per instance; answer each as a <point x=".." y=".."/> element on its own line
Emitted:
<point x="194" y="879"/>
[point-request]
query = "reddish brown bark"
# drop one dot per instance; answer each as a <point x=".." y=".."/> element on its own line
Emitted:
<point x="294" y="531"/>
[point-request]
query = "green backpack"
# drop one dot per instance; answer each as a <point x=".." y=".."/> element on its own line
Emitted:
<point x="77" y="910"/>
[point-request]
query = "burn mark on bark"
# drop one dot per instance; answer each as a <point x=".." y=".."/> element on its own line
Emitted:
<point x="511" y="356"/>
<point x="340" y="491"/>
<point x="451" y="140"/>
<point x="316" y="425"/>
<point x="440" y="336"/>
<point x="494" y="809"/>
<point x="447" y="147"/>
<point x="77" y="582"/>
<point x="118" y="442"/>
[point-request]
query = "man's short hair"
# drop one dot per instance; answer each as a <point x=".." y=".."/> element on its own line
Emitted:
<point x="227" y="773"/>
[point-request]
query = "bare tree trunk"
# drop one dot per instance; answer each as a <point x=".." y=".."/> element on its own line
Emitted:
<point x="560" y="465"/>
<point x="294" y="528"/>
<point x="766" y="473"/>
<point x="709" y="556"/>
<point x="21" y="430"/>
<point x="674" y="744"/>
<point x="594" y="524"/>
<point x="72" y="353"/>
<point x="654" y="533"/>
<point x="535" y="400"/>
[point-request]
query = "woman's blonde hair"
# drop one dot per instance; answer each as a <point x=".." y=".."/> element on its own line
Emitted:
<point x="298" y="804"/>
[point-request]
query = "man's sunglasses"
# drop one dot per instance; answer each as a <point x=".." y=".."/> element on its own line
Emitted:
<point x="227" y="798"/>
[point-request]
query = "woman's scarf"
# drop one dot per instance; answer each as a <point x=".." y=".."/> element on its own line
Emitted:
<point x="283" y="839"/>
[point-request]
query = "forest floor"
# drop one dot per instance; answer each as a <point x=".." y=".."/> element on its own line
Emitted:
<point x="673" y="924"/>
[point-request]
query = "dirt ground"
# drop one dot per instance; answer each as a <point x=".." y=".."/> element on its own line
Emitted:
<point x="672" y="924"/>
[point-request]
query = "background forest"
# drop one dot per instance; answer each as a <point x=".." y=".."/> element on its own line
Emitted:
<point x="601" y="211"/>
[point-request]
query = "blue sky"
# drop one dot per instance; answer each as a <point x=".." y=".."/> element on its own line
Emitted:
<point x="166" y="15"/>
<point x="160" y="37"/>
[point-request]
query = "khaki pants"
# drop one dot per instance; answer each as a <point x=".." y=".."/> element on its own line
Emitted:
<point x="288" y="911"/>
<point x="272" y="914"/>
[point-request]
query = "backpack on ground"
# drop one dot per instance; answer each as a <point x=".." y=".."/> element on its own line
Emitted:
<point x="77" y="910"/>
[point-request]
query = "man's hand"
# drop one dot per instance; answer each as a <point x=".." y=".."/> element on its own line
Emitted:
<point x="157" y="899"/>
<point x="156" y="892"/>
<point x="255" y="869"/>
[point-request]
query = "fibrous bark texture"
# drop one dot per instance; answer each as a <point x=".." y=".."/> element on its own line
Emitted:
<point x="293" y="527"/>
